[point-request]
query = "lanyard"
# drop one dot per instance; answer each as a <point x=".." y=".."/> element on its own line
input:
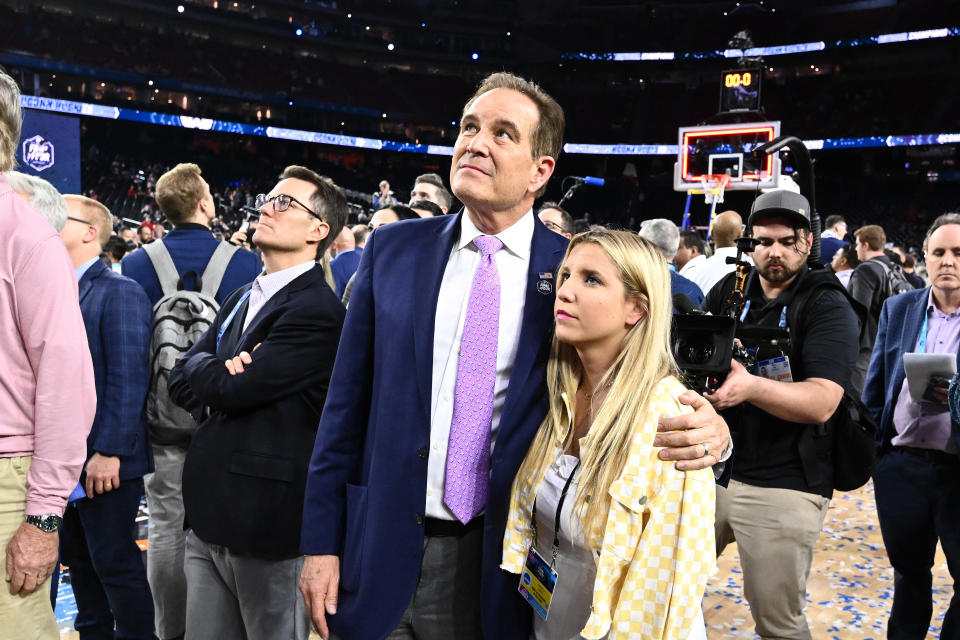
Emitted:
<point x="746" y="309"/>
<point x="922" y="342"/>
<point x="226" y="323"/>
<point x="556" y="527"/>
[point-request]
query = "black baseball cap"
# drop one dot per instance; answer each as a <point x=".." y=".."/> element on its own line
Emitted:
<point x="781" y="203"/>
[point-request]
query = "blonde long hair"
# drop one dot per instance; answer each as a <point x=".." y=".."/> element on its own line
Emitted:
<point x="644" y="360"/>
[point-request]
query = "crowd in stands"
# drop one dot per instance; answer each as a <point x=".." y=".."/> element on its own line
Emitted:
<point x="841" y="99"/>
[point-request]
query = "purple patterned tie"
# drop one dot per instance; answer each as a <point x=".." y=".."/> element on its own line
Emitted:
<point x="468" y="450"/>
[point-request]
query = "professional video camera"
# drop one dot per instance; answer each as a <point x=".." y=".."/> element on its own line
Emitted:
<point x="703" y="345"/>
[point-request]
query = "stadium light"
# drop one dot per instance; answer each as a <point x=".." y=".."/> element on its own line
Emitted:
<point x="475" y="55"/>
<point x="179" y="8"/>
<point x="299" y="32"/>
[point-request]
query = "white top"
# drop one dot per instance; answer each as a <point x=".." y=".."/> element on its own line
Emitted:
<point x="513" y="262"/>
<point x="266" y="286"/>
<point x="576" y="565"/>
<point x="715" y="268"/>
<point x="693" y="266"/>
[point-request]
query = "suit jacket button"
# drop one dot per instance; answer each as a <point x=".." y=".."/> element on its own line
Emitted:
<point x="422" y="452"/>
<point x="418" y="518"/>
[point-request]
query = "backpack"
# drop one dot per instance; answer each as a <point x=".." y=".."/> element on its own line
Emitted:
<point x="180" y="317"/>
<point x="855" y="434"/>
<point x="895" y="281"/>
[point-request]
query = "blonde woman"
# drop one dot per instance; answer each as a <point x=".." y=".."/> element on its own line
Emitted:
<point x="624" y="540"/>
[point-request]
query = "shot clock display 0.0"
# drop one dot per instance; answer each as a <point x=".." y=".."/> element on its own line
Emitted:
<point x="740" y="90"/>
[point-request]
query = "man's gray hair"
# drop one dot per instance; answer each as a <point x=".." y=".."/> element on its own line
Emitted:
<point x="662" y="233"/>
<point x="42" y="196"/>
<point x="11" y="119"/>
<point x="943" y="220"/>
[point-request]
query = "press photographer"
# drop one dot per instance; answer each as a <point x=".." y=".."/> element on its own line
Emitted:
<point x="803" y="332"/>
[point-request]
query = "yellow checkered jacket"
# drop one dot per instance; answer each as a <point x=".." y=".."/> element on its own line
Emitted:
<point x="658" y="543"/>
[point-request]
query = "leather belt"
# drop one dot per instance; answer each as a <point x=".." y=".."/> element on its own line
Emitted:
<point x="438" y="528"/>
<point x="930" y="455"/>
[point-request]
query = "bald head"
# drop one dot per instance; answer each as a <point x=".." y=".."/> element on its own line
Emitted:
<point x="727" y="227"/>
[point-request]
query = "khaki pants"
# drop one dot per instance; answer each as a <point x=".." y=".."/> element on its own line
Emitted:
<point x="775" y="530"/>
<point x="22" y="618"/>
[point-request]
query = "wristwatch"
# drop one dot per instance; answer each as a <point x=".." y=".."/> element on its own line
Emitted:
<point x="48" y="523"/>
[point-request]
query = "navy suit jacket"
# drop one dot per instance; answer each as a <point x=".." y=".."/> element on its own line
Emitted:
<point x="344" y="266"/>
<point x="118" y="320"/>
<point x="246" y="468"/>
<point x="898" y="332"/>
<point x="366" y="491"/>
<point x="686" y="286"/>
<point x="191" y="249"/>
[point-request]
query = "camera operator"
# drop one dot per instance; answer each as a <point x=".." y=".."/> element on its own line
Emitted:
<point x="782" y="474"/>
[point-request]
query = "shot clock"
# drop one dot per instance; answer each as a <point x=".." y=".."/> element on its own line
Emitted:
<point x="740" y="90"/>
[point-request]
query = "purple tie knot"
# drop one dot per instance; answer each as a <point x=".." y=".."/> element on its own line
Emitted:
<point x="488" y="245"/>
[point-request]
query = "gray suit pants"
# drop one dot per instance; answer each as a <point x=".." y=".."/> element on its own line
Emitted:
<point x="165" y="540"/>
<point x="242" y="597"/>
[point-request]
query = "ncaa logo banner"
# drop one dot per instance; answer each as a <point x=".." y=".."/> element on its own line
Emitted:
<point x="38" y="153"/>
<point x="50" y="149"/>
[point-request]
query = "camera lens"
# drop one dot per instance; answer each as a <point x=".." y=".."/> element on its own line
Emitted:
<point x="694" y="352"/>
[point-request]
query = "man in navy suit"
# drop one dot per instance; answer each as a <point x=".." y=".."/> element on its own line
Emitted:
<point x="261" y="371"/>
<point x="402" y="539"/>
<point x="917" y="473"/>
<point x="98" y="540"/>
<point x="185" y="199"/>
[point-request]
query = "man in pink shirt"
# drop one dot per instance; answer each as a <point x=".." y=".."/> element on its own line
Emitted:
<point x="47" y="394"/>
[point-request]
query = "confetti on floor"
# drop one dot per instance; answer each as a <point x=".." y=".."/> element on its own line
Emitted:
<point x="850" y="588"/>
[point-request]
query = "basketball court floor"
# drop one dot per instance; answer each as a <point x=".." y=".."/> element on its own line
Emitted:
<point x="848" y="594"/>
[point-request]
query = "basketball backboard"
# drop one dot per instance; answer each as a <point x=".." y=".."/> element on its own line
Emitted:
<point x="709" y="150"/>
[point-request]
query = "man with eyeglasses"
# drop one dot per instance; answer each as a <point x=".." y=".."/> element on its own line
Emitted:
<point x="258" y="379"/>
<point x="184" y="198"/>
<point x="97" y="541"/>
<point x="556" y="219"/>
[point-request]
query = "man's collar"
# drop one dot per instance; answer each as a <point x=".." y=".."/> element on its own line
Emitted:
<point x="190" y="226"/>
<point x="273" y="282"/>
<point x="933" y="308"/>
<point x="515" y="238"/>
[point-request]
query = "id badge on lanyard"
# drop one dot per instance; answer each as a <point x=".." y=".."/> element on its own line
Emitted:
<point x="538" y="578"/>
<point x="777" y="368"/>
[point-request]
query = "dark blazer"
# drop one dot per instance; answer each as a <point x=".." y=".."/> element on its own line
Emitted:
<point x="246" y="468"/>
<point x="118" y="320"/>
<point x="190" y="247"/>
<point x="899" y="329"/>
<point x="366" y="492"/>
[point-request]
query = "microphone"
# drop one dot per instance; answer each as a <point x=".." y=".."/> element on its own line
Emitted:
<point x="685" y="305"/>
<point x="250" y="211"/>
<point x="596" y="182"/>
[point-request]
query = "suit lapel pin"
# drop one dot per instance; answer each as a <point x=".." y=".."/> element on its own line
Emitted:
<point x="544" y="285"/>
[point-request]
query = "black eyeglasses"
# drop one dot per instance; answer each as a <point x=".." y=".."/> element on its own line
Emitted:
<point x="553" y="226"/>
<point x="86" y="222"/>
<point x="281" y="202"/>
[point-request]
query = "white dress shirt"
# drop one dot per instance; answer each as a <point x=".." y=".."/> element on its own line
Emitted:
<point x="693" y="266"/>
<point x="266" y="286"/>
<point x="716" y="267"/>
<point x="512" y="261"/>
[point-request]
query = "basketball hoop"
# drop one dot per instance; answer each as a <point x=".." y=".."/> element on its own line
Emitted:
<point x="714" y="194"/>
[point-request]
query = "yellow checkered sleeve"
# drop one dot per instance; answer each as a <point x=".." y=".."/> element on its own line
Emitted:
<point x="658" y="544"/>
